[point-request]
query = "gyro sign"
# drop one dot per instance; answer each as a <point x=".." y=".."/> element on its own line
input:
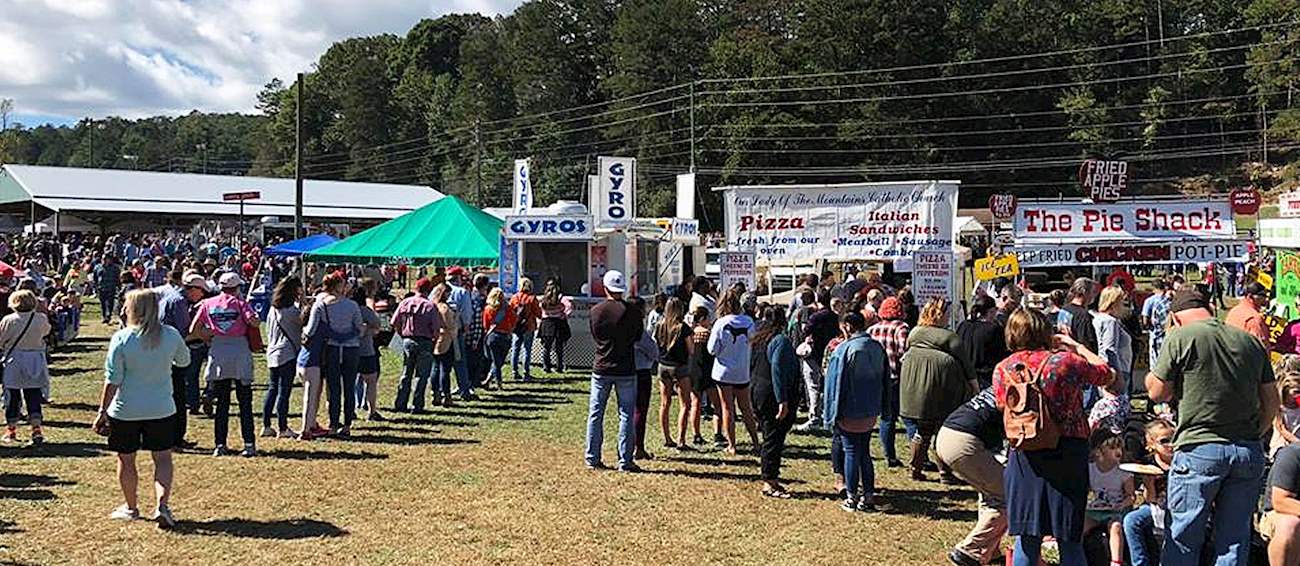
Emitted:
<point x="1157" y="220"/>
<point x="1104" y="181"/>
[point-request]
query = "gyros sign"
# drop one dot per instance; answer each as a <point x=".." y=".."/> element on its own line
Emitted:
<point x="1166" y="220"/>
<point x="1133" y="253"/>
<point x="544" y="228"/>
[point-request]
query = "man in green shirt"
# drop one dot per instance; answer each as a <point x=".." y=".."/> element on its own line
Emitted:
<point x="1223" y="385"/>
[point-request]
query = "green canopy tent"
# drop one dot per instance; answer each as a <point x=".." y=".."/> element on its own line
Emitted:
<point x="444" y="233"/>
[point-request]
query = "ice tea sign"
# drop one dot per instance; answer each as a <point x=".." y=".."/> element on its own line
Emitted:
<point x="994" y="267"/>
<point x="1104" y="181"/>
<point x="615" y="204"/>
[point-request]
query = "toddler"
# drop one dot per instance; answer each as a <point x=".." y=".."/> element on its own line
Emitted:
<point x="1110" y="492"/>
<point x="1287" y="423"/>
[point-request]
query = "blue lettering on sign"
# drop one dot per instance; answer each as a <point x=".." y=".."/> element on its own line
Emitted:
<point x="548" y="226"/>
<point x="616" y="208"/>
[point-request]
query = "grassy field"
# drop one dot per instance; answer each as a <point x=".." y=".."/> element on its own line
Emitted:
<point x="499" y="481"/>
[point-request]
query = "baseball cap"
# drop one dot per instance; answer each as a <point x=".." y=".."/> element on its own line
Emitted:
<point x="1256" y="288"/>
<point x="614" y="282"/>
<point x="193" y="279"/>
<point x="455" y="270"/>
<point x="230" y="280"/>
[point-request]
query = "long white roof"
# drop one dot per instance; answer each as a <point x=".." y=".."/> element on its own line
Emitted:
<point x="146" y="192"/>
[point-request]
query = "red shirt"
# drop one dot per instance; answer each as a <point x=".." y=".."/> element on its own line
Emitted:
<point x="1063" y="381"/>
<point x="504" y="324"/>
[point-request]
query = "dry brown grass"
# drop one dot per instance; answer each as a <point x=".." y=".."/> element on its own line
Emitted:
<point x="499" y="481"/>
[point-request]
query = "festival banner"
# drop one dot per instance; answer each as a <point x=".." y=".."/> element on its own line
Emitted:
<point x="615" y="199"/>
<point x="1162" y="220"/>
<point x="866" y="221"/>
<point x="523" y="195"/>
<point x="1286" y="281"/>
<point x="508" y="263"/>
<point x="1120" y="253"/>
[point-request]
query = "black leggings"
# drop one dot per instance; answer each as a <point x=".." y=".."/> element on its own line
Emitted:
<point x="221" y="422"/>
<point x="552" y="344"/>
<point x="773" y="447"/>
<point x="13" y="409"/>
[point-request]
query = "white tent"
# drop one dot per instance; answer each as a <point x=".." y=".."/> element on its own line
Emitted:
<point x="69" y="223"/>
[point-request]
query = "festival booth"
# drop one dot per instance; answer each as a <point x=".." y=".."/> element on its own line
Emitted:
<point x="445" y="233"/>
<point x="909" y="225"/>
<point x="295" y="248"/>
<point x="575" y="246"/>
<point x="1281" y="237"/>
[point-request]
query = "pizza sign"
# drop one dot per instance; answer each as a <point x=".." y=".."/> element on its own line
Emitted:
<point x="1003" y="207"/>
<point x="1104" y="181"/>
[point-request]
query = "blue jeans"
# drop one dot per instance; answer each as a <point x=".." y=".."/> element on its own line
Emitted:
<point x="859" y="475"/>
<point x="442" y="366"/>
<point x="464" y="369"/>
<point x="193" y="390"/>
<point x="1030" y="549"/>
<point x="1140" y="536"/>
<point x="1217" y="483"/>
<point x="523" y="343"/>
<point x="625" y="388"/>
<point x="910" y="428"/>
<point x="497" y="346"/>
<point x="277" y="396"/>
<point x="417" y="365"/>
<point x="338" y="369"/>
<point x="889" y="419"/>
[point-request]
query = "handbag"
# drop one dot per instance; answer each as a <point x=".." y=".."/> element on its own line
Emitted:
<point x="5" y="360"/>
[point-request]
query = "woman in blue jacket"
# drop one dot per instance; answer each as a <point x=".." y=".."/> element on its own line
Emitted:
<point x="851" y="403"/>
<point x="774" y="371"/>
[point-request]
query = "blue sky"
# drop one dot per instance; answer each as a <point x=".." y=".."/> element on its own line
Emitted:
<point x="62" y="60"/>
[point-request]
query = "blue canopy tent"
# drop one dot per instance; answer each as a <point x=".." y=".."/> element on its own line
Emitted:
<point x="301" y="246"/>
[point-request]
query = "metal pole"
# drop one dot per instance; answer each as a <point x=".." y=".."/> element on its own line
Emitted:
<point x="90" y="125"/>
<point x="478" y="166"/>
<point x="241" y="224"/>
<point x="692" y="126"/>
<point x="297" y="161"/>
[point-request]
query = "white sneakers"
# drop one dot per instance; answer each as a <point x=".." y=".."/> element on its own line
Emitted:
<point x="162" y="516"/>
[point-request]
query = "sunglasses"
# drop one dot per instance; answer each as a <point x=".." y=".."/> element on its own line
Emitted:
<point x="1166" y="441"/>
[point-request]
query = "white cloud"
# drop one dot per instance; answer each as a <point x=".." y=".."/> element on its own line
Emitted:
<point x="133" y="58"/>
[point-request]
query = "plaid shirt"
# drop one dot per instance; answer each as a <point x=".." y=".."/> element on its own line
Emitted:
<point x="892" y="334"/>
<point x="474" y="330"/>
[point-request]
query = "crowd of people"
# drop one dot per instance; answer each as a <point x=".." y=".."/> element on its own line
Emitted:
<point x="1034" y="402"/>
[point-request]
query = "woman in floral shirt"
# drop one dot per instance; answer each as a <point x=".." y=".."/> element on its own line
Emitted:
<point x="1047" y="490"/>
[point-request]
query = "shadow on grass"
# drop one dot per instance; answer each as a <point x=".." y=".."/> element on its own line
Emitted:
<point x="61" y="370"/>
<point x="713" y="475"/>
<point x="473" y="414"/>
<point x="934" y="504"/>
<point x="8" y="527"/>
<point x="526" y="399"/>
<point x="75" y="406"/>
<point x="557" y="390"/>
<point x="21" y="481"/>
<point x="426" y="420"/>
<point x="803" y="453"/>
<point x="64" y="424"/>
<point x="409" y="440"/>
<point x="56" y="450"/>
<point x="284" y="529"/>
<point x="27" y="494"/>
<point x="706" y="461"/>
<point x="298" y="454"/>
<point x="495" y="406"/>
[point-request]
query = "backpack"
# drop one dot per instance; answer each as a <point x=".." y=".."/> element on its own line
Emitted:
<point x="1027" y="417"/>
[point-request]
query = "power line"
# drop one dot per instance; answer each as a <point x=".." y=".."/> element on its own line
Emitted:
<point x="799" y="151"/>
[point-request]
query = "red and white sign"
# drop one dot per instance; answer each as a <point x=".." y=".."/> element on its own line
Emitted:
<point x="859" y="221"/>
<point x="1163" y="220"/>
<point x="1288" y="205"/>
<point x="1104" y="181"/>
<point x="1003" y="207"/>
<point x="1244" y="201"/>
<point x="1126" y="253"/>
<point x="247" y="195"/>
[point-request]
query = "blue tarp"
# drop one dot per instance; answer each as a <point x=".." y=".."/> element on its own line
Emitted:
<point x="301" y="245"/>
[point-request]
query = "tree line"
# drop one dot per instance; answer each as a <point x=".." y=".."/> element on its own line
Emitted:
<point x="1004" y="95"/>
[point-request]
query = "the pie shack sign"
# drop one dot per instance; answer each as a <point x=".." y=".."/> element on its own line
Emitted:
<point x="1104" y="181"/>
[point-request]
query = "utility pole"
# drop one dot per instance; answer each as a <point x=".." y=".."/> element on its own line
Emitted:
<point x="297" y="161"/>
<point x="204" y="148"/>
<point x="692" y="126"/>
<point x="478" y="167"/>
<point x="90" y="127"/>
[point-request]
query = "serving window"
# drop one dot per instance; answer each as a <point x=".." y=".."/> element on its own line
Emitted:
<point x="565" y="261"/>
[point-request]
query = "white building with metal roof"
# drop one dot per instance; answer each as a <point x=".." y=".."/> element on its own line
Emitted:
<point x="106" y="196"/>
